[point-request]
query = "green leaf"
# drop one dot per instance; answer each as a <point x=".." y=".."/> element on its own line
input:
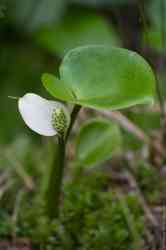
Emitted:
<point x="97" y="141"/>
<point x="62" y="91"/>
<point x="104" y="77"/>
<point x="68" y="34"/>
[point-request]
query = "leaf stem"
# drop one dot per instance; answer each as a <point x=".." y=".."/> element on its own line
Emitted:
<point x="163" y="37"/>
<point x="74" y="114"/>
<point x="162" y="21"/>
<point x="54" y="189"/>
<point x="145" y="25"/>
<point x="161" y="101"/>
<point x="143" y="19"/>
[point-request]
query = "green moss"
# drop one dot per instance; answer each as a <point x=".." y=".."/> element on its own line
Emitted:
<point x="148" y="179"/>
<point x="92" y="217"/>
<point x="5" y="225"/>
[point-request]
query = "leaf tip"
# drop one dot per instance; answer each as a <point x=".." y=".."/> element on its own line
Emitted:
<point x="44" y="78"/>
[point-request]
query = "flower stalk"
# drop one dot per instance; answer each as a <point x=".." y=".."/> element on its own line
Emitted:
<point x="55" y="182"/>
<point x="53" y="191"/>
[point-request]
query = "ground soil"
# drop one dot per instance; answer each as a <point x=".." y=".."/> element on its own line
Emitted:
<point x="18" y="244"/>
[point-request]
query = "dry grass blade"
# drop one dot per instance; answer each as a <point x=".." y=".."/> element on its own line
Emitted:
<point x="16" y="212"/>
<point x="4" y="176"/>
<point x="128" y="125"/>
<point x="28" y="181"/>
<point x="148" y="213"/>
<point x="5" y="187"/>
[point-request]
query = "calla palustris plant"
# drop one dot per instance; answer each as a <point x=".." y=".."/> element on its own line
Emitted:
<point x="99" y="77"/>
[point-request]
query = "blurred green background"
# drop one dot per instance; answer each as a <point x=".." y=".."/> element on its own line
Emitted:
<point x="34" y="36"/>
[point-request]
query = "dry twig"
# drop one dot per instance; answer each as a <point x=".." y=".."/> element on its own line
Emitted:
<point x="128" y="125"/>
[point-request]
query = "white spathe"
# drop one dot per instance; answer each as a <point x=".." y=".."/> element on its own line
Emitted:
<point x="37" y="113"/>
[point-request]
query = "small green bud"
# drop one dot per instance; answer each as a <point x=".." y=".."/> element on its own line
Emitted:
<point x="59" y="121"/>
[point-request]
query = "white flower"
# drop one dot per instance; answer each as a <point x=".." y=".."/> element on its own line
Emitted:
<point x="45" y="117"/>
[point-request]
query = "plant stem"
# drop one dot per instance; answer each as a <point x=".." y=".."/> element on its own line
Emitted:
<point x="74" y="114"/>
<point x="55" y="181"/>
<point x="162" y="21"/>
<point x="145" y="26"/>
<point x="161" y="102"/>
<point x="163" y="37"/>
<point x="54" y="189"/>
<point x="143" y="19"/>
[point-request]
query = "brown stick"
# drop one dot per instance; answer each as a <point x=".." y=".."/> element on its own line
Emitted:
<point x="128" y="125"/>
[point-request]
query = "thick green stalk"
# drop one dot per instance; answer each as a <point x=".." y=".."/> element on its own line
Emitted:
<point x="55" y="181"/>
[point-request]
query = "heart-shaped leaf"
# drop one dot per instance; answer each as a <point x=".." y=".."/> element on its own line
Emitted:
<point x="103" y="77"/>
<point x="97" y="141"/>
